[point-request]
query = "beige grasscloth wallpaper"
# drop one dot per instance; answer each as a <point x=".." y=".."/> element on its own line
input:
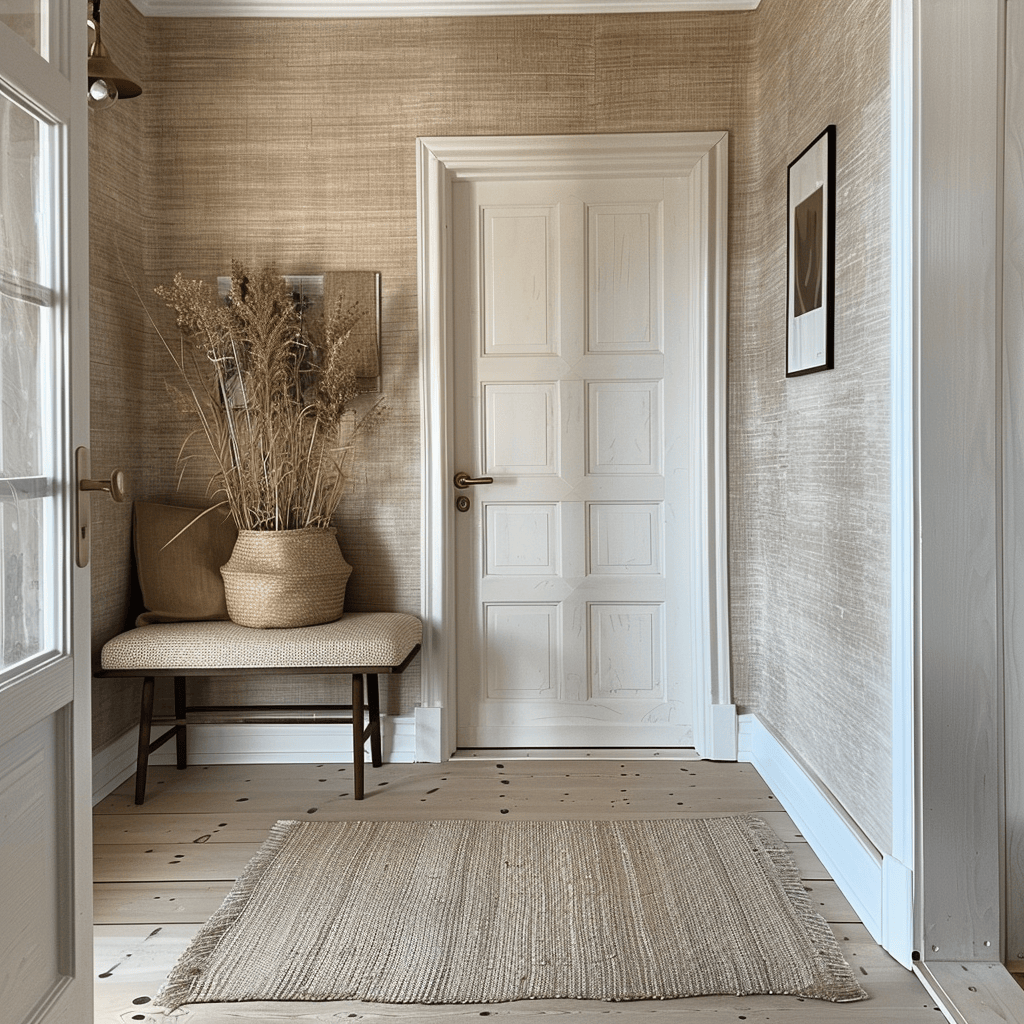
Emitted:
<point x="294" y="141"/>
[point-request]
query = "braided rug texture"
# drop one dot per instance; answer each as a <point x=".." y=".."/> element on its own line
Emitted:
<point x="491" y="911"/>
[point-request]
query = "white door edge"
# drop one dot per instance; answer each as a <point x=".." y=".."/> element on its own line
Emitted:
<point x="701" y="158"/>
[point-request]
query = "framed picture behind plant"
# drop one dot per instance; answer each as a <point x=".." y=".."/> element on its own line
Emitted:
<point x="811" y="256"/>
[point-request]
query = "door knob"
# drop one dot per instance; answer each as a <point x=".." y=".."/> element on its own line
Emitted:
<point x="115" y="486"/>
<point x="464" y="480"/>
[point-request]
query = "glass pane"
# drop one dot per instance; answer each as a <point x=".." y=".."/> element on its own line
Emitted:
<point x="22" y="548"/>
<point x="29" y="589"/>
<point x="21" y="404"/>
<point x="29" y="19"/>
<point x="19" y="194"/>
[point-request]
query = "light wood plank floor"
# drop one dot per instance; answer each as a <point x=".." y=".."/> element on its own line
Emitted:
<point x="163" y="868"/>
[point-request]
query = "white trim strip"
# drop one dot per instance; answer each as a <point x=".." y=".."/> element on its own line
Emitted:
<point x="700" y="157"/>
<point x="302" y="743"/>
<point x="899" y="927"/>
<point x="854" y="863"/>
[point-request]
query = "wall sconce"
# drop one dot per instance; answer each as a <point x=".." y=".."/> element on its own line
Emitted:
<point x="107" y="82"/>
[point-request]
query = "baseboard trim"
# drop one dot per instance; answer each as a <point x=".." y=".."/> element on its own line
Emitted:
<point x="252" y="744"/>
<point x="849" y="856"/>
<point x="114" y="763"/>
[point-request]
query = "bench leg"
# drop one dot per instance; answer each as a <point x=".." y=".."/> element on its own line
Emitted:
<point x="357" y="735"/>
<point x="180" y="704"/>
<point x="145" y="726"/>
<point x="373" y="703"/>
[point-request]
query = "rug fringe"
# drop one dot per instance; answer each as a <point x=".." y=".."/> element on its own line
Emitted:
<point x="821" y="935"/>
<point x="189" y="968"/>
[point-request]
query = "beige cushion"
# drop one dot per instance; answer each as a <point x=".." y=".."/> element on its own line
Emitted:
<point x="360" y="639"/>
<point x="181" y="581"/>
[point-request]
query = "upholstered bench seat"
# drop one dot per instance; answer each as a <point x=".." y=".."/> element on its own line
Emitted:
<point x="361" y="644"/>
<point x="358" y="639"/>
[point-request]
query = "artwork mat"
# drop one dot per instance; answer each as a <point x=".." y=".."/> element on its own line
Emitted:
<point x="810" y="337"/>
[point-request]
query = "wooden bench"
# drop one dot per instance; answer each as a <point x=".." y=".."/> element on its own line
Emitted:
<point x="363" y="644"/>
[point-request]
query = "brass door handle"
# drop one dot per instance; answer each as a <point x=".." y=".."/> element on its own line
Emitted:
<point x="464" y="480"/>
<point x="115" y="486"/>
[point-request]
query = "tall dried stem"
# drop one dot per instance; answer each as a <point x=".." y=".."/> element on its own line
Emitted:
<point x="268" y="386"/>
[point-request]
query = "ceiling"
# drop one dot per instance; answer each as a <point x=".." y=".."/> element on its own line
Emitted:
<point x="420" y="8"/>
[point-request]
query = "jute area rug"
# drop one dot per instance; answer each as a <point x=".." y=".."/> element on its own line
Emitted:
<point x="490" y="911"/>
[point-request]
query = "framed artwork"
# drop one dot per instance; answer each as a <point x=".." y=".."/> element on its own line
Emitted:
<point x="811" y="256"/>
<point x="361" y="286"/>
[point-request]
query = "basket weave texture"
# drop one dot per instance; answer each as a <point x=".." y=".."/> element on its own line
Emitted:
<point x="279" y="579"/>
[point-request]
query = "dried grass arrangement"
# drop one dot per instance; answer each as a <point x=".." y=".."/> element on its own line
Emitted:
<point x="271" y="384"/>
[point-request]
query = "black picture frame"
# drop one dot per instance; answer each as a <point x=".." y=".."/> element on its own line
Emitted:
<point x="811" y="257"/>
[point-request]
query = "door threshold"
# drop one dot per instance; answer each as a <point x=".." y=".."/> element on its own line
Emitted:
<point x="576" y="754"/>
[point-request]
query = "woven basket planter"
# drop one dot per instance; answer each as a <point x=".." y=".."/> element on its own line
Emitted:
<point x="278" y="579"/>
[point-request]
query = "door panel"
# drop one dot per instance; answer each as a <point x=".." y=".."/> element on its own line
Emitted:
<point x="45" y="855"/>
<point x="566" y="636"/>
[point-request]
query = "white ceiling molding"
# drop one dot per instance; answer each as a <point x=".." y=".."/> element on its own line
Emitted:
<point x="421" y="8"/>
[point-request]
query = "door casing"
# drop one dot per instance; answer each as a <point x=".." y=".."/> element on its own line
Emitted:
<point x="702" y="159"/>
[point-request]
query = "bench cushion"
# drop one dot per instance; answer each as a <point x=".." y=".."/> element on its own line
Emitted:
<point x="359" y="639"/>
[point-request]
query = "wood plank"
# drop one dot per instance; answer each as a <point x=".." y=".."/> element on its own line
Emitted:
<point x="807" y="862"/>
<point x="252" y="827"/>
<point x="976" y="993"/>
<point x="710" y="1010"/>
<point x="129" y="829"/>
<point x="828" y="900"/>
<point x="413" y="806"/>
<point x="153" y="903"/>
<point x="156" y="862"/>
<point x="675" y="776"/>
<point x="171" y="862"/>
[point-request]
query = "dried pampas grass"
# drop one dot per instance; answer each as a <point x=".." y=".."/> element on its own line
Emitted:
<point x="271" y="385"/>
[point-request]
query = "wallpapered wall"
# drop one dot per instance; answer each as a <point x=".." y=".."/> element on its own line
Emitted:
<point x="293" y="141"/>
<point x="809" y="456"/>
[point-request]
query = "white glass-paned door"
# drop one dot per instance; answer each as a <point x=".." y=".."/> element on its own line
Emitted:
<point x="30" y="20"/>
<point x="29" y="556"/>
<point x="45" y="743"/>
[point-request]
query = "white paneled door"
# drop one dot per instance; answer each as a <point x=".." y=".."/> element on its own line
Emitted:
<point x="572" y="367"/>
<point x="45" y="777"/>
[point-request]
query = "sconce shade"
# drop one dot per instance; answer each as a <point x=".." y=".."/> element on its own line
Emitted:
<point x="107" y="82"/>
<point x="101" y="67"/>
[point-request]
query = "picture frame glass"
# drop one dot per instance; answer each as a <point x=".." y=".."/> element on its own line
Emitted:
<point x="811" y="257"/>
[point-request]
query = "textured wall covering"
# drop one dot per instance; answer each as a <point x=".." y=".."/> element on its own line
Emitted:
<point x="809" y="457"/>
<point x="122" y="391"/>
<point x="293" y="141"/>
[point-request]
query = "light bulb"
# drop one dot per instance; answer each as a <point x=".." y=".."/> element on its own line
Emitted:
<point x="101" y="95"/>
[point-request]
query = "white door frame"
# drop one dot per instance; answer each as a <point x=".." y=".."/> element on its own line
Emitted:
<point x="701" y="158"/>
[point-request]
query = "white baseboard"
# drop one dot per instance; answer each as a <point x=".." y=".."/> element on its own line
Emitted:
<point x="251" y="744"/>
<point x="114" y="763"/>
<point x="851" y="859"/>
